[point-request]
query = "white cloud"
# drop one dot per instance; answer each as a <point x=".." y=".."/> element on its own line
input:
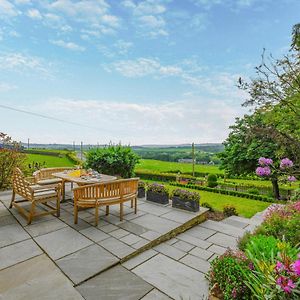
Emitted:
<point x="145" y="7"/>
<point x="20" y="63"/>
<point x="68" y="45"/>
<point x="143" y="67"/>
<point x="6" y="87"/>
<point x="183" y="121"/>
<point x="7" y="9"/>
<point x="23" y="2"/>
<point x="34" y="14"/>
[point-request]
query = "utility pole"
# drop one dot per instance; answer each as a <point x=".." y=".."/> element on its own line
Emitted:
<point x="28" y="144"/>
<point x="193" y="157"/>
<point x="81" y="149"/>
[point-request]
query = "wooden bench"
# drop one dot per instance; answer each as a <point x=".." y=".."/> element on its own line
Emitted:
<point x="35" y="194"/>
<point x="106" y="194"/>
<point x="45" y="177"/>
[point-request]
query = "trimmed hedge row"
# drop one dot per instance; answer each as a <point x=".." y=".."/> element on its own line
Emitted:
<point x="224" y="192"/>
<point x="160" y="176"/>
<point x="41" y="152"/>
<point x="72" y="156"/>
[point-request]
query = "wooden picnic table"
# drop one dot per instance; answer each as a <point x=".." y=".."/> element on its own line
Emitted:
<point x="80" y="177"/>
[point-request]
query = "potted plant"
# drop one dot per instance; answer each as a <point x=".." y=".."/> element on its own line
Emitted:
<point x="157" y="193"/>
<point x="141" y="189"/>
<point x="185" y="200"/>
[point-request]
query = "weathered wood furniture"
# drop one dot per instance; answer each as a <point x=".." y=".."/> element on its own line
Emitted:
<point x="68" y="176"/>
<point x="106" y="194"/>
<point x="44" y="176"/>
<point x="35" y="194"/>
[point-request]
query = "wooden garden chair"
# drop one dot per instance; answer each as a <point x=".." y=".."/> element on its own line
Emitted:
<point x="34" y="194"/>
<point x="106" y="194"/>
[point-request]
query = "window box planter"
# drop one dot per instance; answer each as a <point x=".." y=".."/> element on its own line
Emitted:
<point x="141" y="192"/>
<point x="157" y="193"/>
<point x="186" y="200"/>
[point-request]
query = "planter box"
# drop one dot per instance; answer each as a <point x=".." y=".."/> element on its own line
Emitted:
<point x="141" y="192"/>
<point x="177" y="202"/>
<point x="160" y="198"/>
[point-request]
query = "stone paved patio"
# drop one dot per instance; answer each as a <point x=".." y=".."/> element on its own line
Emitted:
<point x="55" y="259"/>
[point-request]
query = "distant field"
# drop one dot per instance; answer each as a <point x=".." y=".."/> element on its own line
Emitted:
<point x="165" y="166"/>
<point x="50" y="161"/>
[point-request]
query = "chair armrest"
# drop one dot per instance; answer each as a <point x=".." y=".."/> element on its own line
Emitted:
<point x="30" y="179"/>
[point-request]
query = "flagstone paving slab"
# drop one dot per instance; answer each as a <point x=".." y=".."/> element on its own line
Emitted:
<point x="94" y="234"/>
<point x="62" y="242"/>
<point x="150" y="235"/>
<point x="130" y="239"/>
<point x="116" y="247"/>
<point x="45" y="227"/>
<point x="200" y="232"/>
<point x="235" y="223"/>
<point x="184" y="246"/>
<point x="119" y="233"/>
<point x="7" y="220"/>
<point x="16" y="253"/>
<point x="113" y="284"/>
<point x="196" y="263"/>
<point x="179" y="216"/>
<point x="86" y="262"/>
<point x="173" y="278"/>
<point x="134" y="228"/>
<point x="217" y="249"/>
<point x="156" y="295"/>
<point x="156" y="223"/>
<point x="140" y="243"/>
<point x="154" y="208"/>
<point x="137" y="260"/>
<point x="201" y="253"/>
<point x="37" y="278"/>
<point x="223" y="240"/>
<point x="192" y="240"/>
<point x="170" y="251"/>
<point x="12" y="233"/>
<point x="223" y="228"/>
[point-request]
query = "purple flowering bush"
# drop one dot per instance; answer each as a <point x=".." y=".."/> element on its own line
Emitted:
<point x="157" y="188"/>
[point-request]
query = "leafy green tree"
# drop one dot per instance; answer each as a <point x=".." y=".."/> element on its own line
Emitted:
<point x="113" y="160"/>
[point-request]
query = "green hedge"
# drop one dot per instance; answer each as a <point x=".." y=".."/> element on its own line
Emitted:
<point x="224" y="192"/>
<point x="72" y="156"/>
<point x="161" y="176"/>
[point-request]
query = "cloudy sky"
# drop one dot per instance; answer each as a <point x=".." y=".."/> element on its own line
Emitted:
<point x="140" y="72"/>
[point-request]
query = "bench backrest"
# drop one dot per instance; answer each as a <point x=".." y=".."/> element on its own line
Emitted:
<point x="112" y="189"/>
<point x="20" y="185"/>
<point x="46" y="173"/>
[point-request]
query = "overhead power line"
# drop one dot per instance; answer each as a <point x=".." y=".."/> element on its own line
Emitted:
<point x="47" y="117"/>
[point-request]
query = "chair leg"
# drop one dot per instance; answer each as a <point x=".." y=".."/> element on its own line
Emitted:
<point x="107" y="210"/>
<point x="135" y="205"/>
<point x="75" y="213"/>
<point x="31" y="214"/>
<point x="131" y="203"/>
<point x="96" y="214"/>
<point x="58" y="205"/>
<point x="12" y="199"/>
<point x="121" y="211"/>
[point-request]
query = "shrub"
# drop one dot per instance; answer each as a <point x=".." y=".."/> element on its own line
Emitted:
<point x="212" y="180"/>
<point x="186" y="195"/>
<point x="253" y="191"/>
<point x="228" y="272"/>
<point x="282" y="222"/>
<point x="157" y="188"/>
<point x="10" y="158"/>
<point x="229" y="210"/>
<point x="113" y="160"/>
<point x="244" y="240"/>
<point x="142" y="184"/>
<point x="296" y="195"/>
<point x="207" y="205"/>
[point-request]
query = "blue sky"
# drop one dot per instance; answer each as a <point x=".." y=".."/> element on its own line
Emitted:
<point x="139" y="72"/>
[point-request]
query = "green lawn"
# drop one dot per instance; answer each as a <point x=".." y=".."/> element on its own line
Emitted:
<point x="245" y="207"/>
<point x="50" y="161"/>
<point x="165" y="166"/>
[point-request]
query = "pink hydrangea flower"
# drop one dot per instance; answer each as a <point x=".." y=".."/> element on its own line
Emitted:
<point x="291" y="178"/>
<point x="265" y="161"/>
<point x="263" y="171"/>
<point x="286" y="163"/>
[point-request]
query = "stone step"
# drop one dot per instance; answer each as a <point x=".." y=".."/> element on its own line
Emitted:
<point x="223" y="228"/>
